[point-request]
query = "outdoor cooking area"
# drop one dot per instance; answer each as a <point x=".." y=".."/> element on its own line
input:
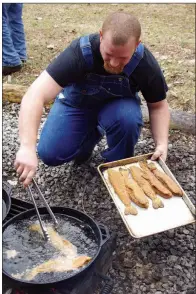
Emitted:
<point x="116" y="221"/>
<point x="159" y="263"/>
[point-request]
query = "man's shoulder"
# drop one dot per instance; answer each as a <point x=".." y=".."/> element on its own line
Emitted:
<point x="149" y="58"/>
<point x="94" y="38"/>
<point x="74" y="46"/>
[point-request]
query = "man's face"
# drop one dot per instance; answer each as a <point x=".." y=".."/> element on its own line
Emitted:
<point x="115" y="56"/>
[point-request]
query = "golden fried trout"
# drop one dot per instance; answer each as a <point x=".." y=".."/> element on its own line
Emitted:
<point x="60" y="264"/>
<point x="157" y="185"/>
<point x="136" y="194"/>
<point x="166" y="180"/>
<point x="64" y="246"/>
<point x="117" y="182"/>
<point x="136" y="173"/>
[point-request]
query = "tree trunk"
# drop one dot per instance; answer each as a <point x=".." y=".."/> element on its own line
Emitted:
<point x="13" y="92"/>
<point x="180" y="120"/>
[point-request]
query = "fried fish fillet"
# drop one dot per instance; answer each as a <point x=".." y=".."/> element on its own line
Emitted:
<point x="136" y="194"/>
<point x="60" y="264"/>
<point x="18" y="275"/>
<point x="136" y="173"/>
<point x="64" y="246"/>
<point x="117" y="182"/>
<point x="166" y="180"/>
<point x="11" y="253"/>
<point x="157" y="185"/>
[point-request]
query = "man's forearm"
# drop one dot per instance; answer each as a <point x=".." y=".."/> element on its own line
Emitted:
<point x="29" y="118"/>
<point x="43" y="90"/>
<point x="159" y="122"/>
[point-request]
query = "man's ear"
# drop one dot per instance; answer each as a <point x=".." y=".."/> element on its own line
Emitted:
<point x="138" y="42"/>
<point x="101" y="35"/>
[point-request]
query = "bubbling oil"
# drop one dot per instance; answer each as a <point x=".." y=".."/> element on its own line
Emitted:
<point x="33" y="250"/>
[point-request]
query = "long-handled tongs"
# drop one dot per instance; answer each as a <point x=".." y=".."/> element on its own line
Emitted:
<point x="44" y="231"/>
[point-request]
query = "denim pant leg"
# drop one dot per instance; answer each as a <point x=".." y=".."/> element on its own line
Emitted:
<point x="122" y="121"/>
<point x="17" y="29"/>
<point x="67" y="133"/>
<point x="10" y="56"/>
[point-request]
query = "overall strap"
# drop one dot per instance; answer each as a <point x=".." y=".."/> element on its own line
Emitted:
<point x="135" y="59"/>
<point x="85" y="46"/>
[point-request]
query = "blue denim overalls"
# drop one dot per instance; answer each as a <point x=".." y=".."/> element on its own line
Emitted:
<point x="95" y="90"/>
<point x="84" y="111"/>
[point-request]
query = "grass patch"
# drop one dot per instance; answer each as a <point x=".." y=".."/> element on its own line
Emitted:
<point x="168" y="30"/>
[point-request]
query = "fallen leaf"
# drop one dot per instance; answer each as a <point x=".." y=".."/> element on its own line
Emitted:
<point x="191" y="74"/>
<point x="163" y="57"/>
<point x="191" y="62"/>
<point x="178" y="83"/>
<point x="174" y="94"/>
<point x="169" y="86"/>
<point x="51" y="46"/>
<point x="9" y="79"/>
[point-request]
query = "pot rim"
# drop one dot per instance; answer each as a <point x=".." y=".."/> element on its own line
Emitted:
<point x="48" y="284"/>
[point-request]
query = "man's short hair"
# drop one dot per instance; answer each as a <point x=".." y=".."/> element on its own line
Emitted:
<point x="123" y="26"/>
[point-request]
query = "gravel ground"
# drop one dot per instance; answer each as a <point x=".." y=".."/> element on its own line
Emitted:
<point x="163" y="263"/>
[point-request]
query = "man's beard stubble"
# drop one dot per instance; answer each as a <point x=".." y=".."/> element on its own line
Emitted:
<point x="112" y="70"/>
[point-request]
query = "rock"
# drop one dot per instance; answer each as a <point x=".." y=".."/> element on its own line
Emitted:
<point x="173" y="251"/>
<point x="161" y="260"/>
<point x="172" y="259"/>
<point x="157" y="274"/>
<point x="190" y="291"/>
<point x="186" y="232"/>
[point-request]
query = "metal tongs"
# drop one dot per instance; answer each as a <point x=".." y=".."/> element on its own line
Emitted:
<point x="44" y="231"/>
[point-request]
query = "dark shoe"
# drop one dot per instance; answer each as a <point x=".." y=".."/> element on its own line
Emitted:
<point x="23" y="61"/>
<point x="83" y="159"/>
<point x="8" y="70"/>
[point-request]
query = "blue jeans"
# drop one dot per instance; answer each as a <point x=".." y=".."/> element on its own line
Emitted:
<point x="71" y="132"/>
<point x="13" y="36"/>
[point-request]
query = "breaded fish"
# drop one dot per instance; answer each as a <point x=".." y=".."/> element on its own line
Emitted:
<point x="64" y="246"/>
<point x="18" y="275"/>
<point x="60" y="264"/>
<point x="11" y="253"/>
<point x="136" y="194"/>
<point x="157" y="185"/>
<point x="117" y="182"/>
<point x="136" y="173"/>
<point x="166" y="180"/>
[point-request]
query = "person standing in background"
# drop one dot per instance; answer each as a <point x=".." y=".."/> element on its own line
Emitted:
<point x="13" y="38"/>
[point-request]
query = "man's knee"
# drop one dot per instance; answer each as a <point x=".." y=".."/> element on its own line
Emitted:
<point x="47" y="156"/>
<point x="51" y="157"/>
<point x="124" y="115"/>
<point x="131" y="123"/>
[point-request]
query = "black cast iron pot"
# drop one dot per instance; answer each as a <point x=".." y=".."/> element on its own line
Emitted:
<point x="95" y="227"/>
<point x="6" y="199"/>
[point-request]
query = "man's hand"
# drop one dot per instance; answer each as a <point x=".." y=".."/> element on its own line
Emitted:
<point x="26" y="164"/>
<point x="160" y="152"/>
<point x="159" y="121"/>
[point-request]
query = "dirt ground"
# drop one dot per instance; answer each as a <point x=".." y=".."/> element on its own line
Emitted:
<point x="168" y="30"/>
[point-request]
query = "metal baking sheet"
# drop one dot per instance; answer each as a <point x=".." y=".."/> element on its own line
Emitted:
<point x="177" y="211"/>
